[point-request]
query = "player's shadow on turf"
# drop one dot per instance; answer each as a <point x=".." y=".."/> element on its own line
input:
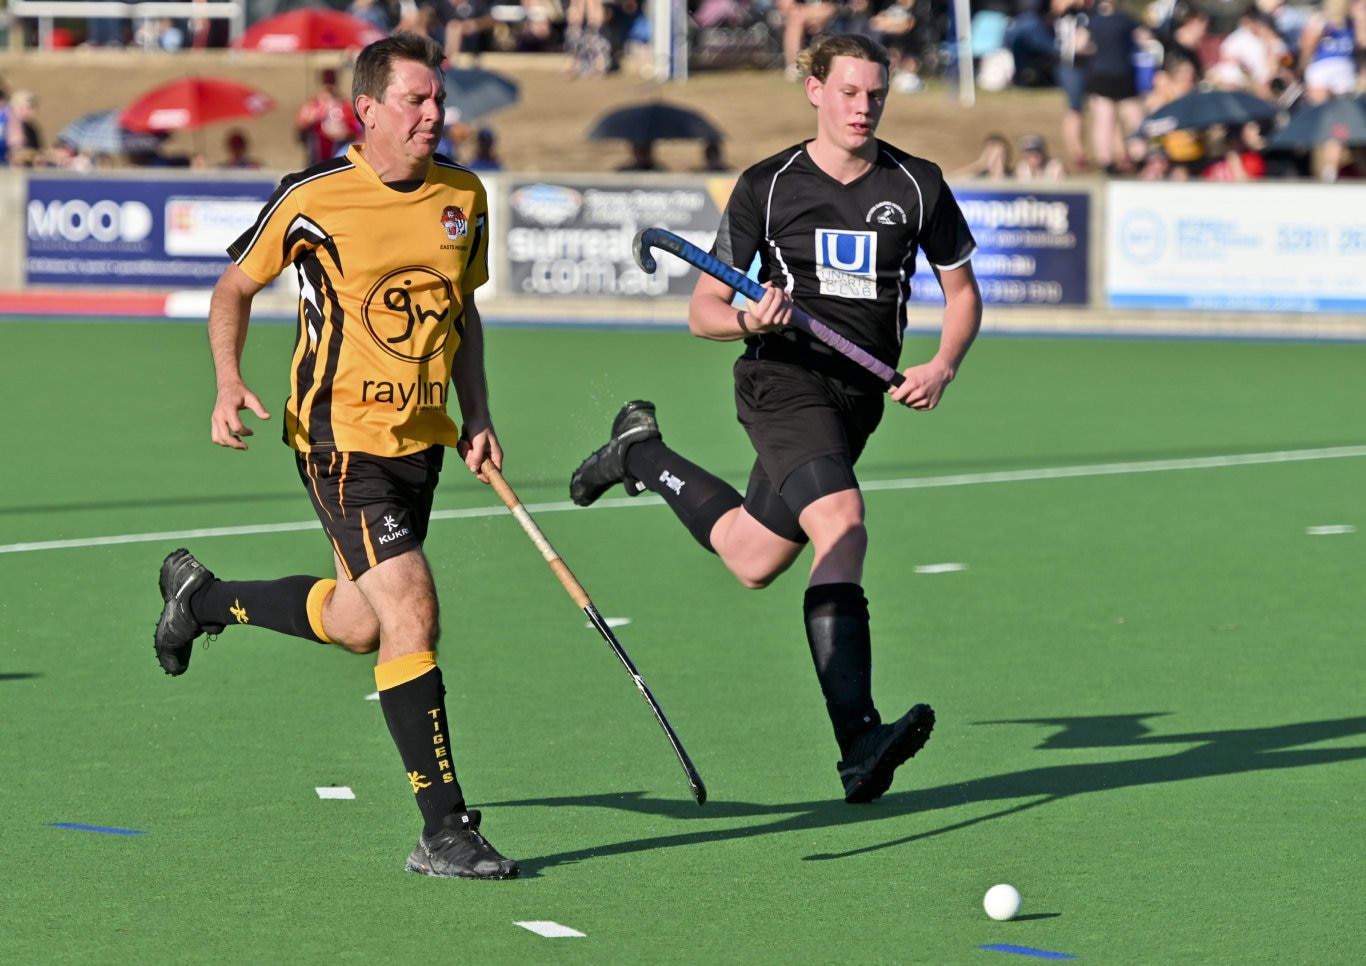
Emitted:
<point x="1213" y="753"/>
<point x="17" y="676"/>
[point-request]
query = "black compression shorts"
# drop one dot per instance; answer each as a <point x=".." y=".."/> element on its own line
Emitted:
<point x="372" y="507"/>
<point x="799" y="419"/>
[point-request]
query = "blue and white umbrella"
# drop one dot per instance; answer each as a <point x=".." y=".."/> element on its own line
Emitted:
<point x="99" y="133"/>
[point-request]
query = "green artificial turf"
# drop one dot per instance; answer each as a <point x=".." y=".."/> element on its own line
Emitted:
<point x="1146" y="673"/>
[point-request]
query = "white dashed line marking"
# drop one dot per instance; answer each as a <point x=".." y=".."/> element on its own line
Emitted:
<point x="551" y="930"/>
<point x="613" y="622"/>
<point x="940" y="568"/>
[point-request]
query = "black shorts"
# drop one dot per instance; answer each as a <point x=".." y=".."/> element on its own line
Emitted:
<point x="799" y="419"/>
<point x="1114" y="87"/>
<point x="372" y="507"/>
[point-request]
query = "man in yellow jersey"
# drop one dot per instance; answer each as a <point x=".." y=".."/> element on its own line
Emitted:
<point x="389" y="243"/>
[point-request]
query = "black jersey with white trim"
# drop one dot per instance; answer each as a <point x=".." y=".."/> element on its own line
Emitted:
<point x="384" y="272"/>
<point x="846" y="252"/>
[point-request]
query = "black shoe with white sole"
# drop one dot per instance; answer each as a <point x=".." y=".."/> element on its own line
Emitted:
<point x="635" y="423"/>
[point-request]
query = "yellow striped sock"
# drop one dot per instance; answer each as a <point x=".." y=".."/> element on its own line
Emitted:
<point x="403" y="669"/>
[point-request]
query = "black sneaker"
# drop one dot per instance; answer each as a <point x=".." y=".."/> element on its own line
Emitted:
<point x="181" y="578"/>
<point x="867" y="772"/>
<point x="458" y="851"/>
<point x="607" y="467"/>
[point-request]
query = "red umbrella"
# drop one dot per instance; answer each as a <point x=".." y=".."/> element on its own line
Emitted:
<point x="193" y="102"/>
<point x="309" y="28"/>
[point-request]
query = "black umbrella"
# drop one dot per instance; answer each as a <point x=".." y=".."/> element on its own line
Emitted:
<point x="475" y="92"/>
<point x="1203" y="109"/>
<point x="99" y="134"/>
<point x="1342" y="119"/>
<point x="655" y="121"/>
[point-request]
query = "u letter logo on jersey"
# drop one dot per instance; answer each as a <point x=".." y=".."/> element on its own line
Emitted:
<point x="846" y="263"/>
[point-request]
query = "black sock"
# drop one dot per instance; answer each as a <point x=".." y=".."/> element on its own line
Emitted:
<point x="279" y="605"/>
<point x="415" y="711"/>
<point x="841" y="648"/>
<point x="696" y="497"/>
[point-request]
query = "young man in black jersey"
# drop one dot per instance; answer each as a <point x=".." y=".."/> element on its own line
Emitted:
<point x="835" y="223"/>
<point x="390" y="243"/>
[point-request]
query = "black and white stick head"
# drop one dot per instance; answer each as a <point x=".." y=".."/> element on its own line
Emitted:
<point x="641" y="249"/>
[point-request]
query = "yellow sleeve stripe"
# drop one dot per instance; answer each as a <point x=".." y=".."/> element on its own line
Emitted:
<point x="403" y="669"/>
<point x="317" y="596"/>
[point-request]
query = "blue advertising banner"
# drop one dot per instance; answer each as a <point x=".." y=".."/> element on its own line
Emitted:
<point x="1032" y="248"/>
<point x="135" y="232"/>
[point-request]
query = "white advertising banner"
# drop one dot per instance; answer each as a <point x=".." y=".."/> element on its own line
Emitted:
<point x="1259" y="247"/>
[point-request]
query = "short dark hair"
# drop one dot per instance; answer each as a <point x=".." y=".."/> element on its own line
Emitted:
<point x="375" y="63"/>
<point x="816" y="59"/>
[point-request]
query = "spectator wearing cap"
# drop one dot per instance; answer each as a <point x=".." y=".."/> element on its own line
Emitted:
<point x="239" y="151"/>
<point x="326" y="121"/>
<point x="485" y="154"/>
<point x="1035" y="164"/>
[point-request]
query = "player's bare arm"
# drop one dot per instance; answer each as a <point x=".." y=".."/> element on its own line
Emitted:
<point x="472" y="392"/>
<point x="925" y="383"/>
<point x="712" y="314"/>
<point x="229" y="315"/>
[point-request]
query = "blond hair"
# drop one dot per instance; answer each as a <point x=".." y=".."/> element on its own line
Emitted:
<point x="816" y="59"/>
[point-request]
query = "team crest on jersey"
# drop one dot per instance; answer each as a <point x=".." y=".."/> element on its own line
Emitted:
<point x="886" y="213"/>
<point x="846" y="263"/>
<point x="455" y="223"/>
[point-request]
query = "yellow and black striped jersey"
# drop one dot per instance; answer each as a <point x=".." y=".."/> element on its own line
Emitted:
<point x="383" y="276"/>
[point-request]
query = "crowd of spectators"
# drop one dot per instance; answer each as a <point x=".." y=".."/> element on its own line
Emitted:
<point x="997" y="160"/>
<point x="1114" y="62"/>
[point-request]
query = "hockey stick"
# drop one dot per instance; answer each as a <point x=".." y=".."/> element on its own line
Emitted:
<point x="576" y="591"/>
<point x="667" y="241"/>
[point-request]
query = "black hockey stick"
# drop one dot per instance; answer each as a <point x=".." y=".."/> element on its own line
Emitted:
<point x="576" y="591"/>
<point x="709" y="264"/>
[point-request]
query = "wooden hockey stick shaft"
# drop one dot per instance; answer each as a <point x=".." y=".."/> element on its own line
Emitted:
<point x="580" y="597"/>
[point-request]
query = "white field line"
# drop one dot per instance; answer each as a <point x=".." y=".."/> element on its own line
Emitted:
<point x="912" y="483"/>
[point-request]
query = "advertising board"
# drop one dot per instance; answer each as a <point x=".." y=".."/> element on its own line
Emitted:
<point x="568" y="240"/>
<point x="135" y="232"/>
<point x="1032" y="248"/>
<point x="1253" y="247"/>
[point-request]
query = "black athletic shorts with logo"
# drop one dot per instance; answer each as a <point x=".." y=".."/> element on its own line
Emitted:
<point x="372" y="507"/>
<point x="808" y="429"/>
